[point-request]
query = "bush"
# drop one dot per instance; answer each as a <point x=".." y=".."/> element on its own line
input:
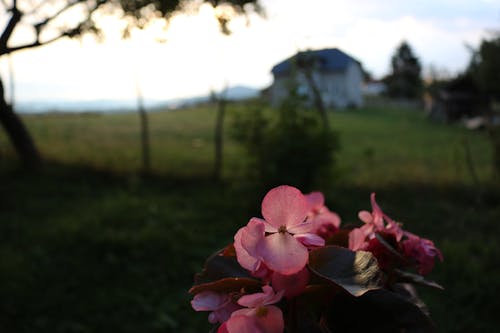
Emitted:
<point x="290" y="145"/>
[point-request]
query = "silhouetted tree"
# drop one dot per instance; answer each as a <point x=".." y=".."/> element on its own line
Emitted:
<point x="46" y="20"/>
<point x="405" y="80"/>
<point x="484" y="67"/>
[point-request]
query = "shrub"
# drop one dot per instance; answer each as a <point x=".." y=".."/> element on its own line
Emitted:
<point x="290" y="145"/>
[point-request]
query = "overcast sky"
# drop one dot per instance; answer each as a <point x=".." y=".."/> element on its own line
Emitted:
<point x="195" y="58"/>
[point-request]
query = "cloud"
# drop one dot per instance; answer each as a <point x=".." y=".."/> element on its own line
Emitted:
<point x="197" y="58"/>
<point x="374" y="41"/>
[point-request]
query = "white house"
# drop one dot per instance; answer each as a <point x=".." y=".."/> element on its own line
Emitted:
<point x="373" y="88"/>
<point x="337" y="76"/>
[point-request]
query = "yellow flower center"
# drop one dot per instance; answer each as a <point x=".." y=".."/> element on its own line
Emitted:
<point x="282" y="229"/>
<point x="261" y="311"/>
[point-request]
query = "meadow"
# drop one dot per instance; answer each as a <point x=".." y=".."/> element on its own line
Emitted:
<point x="89" y="244"/>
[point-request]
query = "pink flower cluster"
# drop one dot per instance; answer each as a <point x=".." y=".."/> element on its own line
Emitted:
<point x="279" y="243"/>
<point x="275" y="250"/>
<point x="393" y="246"/>
<point x="250" y="313"/>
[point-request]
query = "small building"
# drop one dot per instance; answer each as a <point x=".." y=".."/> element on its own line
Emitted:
<point x="336" y="76"/>
<point x="458" y="100"/>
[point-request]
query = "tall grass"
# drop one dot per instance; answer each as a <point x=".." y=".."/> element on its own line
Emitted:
<point x="379" y="146"/>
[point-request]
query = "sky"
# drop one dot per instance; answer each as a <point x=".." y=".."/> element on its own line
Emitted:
<point x="194" y="58"/>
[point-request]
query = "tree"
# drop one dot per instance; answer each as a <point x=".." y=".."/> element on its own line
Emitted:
<point x="405" y="79"/>
<point x="484" y="68"/>
<point x="46" y="19"/>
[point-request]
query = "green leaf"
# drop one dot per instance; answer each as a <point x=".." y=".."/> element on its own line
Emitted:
<point x="355" y="272"/>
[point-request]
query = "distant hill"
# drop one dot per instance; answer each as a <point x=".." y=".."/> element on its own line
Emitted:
<point x="118" y="105"/>
<point x="241" y="92"/>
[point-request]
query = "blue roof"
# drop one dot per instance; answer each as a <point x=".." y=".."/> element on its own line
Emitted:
<point x="328" y="60"/>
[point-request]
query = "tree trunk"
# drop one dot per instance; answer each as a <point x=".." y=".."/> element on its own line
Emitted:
<point x="18" y="134"/>
<point x="143" y="117"/>
<point x="318" y="100"/>
<point x="146" y="156"/>
<point x="494" y="136"/>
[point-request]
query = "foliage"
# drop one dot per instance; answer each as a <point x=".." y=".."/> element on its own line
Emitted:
<point x="269" y="251"/>
<point x="485" y="66"/>
<point x="405" y="79"/>
<point x="292" y="147"/>
<point x="44" y="17"/>
<point x="484" y="69"/>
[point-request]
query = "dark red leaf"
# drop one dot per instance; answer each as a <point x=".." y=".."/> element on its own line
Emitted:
<point x="228" y="285"/>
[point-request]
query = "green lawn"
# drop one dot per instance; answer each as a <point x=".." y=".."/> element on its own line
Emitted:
<point x="87" y="245"/>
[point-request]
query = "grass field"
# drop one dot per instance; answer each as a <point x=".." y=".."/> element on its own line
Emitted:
<point x="88" y="245"/>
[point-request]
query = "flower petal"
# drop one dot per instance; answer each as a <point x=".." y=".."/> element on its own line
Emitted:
<point x="224" y="313"/>
<point x="252" y="234"/>
<point x="309" y="239"/>
<point x="223" y="328"/>
<point x="208" y="301"/>
<point x="357" y="239"/>
<point x="272" y="321"/>
<point x="284" y="205"/>
<point x="302" y="228"/>
<point x="316" y="200"/>
<point x="268" y="296"/>
<point x="268" y="227"/>
<point x="377" y="213"/>
<point x="365" y="216"/>
<point x="245" y="247"/>
<point x="242" y="324"/>
<point x="327" y="217"/>
<point x="393" y="228"/>
<point x="282" y="253"/>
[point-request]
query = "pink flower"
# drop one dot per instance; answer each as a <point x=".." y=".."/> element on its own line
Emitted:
<point x="386" y="258"/>
<point x="422" y="250"/>
<point x="284" y="249"/>
<point x="220" y="305"/>
<point x="325" y="221"/>
<point x="376" y="221"/>
<point x="258" y="316"/>
<point x="246" y="243"/>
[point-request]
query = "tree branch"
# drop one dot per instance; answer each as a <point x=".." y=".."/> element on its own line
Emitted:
<point x="14" y="20"/>
<point x="4" y="49"/>
<point x="40" y="25"/>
